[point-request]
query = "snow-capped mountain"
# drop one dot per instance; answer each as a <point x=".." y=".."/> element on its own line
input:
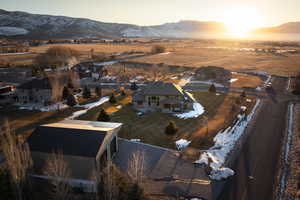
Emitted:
<point x="34" y="26"/>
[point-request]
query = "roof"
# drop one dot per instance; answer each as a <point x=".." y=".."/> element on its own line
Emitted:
<point x="71" y="137"/>
<point x="36" y="84"/>
<point x="162" y="88"/>
<point x="167" y="172"/>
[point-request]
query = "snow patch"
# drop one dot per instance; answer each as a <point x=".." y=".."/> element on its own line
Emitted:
<point x="198" y="110"/>
<point x="221" y="173"/>
<point x="225" y="142"/>
<point x="182" y="143"/>
<point x="233" y="80"/>
<point x="87" y="107"/>
<point x="57" y="106"/>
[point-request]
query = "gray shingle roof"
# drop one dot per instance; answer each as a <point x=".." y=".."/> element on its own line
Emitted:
<point x="162" y="88"/>
<point x="36" y="84"/>
<point x="76" y="142"/>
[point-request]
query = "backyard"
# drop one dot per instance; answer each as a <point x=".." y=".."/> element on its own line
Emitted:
<point x="149" y="128"/>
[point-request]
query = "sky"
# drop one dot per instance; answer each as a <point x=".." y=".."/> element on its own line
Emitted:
<point x="154" y="12"/>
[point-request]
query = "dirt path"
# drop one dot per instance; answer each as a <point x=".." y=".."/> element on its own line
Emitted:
<point x="256" y="167"/>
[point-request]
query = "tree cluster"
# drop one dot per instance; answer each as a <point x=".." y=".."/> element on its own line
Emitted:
<point x="158" y="49"/>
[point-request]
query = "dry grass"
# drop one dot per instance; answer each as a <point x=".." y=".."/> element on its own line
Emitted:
<point x="189" y="53"/>
<point x="245" y="80"/>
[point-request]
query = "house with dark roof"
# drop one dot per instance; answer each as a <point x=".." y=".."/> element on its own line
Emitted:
<point x="86" y="146"/>
<point x="35" y="91"/>
<point x="163" y="96"/>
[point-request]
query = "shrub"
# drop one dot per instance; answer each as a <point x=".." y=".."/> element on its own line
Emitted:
<point x="71" y="100"/>
<point x="86" y="93"/>
<point x="103" y="116"/>
<point x="243" y="94"/>
<point x="98" y="91"/>
<point x="158" y="49"/>
<point x="171" y="129"/>
<point x="133" y="86"/>
<point x="136" y="193"/>
<point x="112" y="99"/>
<point x="212" y="88"/>
<point x="65" y="93"/>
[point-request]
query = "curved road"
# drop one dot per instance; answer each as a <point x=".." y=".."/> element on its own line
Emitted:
<point x="256" y="167"/>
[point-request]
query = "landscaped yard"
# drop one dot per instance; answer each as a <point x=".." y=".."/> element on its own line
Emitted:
<point x="150" y="127"/>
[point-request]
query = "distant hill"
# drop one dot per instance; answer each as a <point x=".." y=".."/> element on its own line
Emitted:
<point x="291" y="27"/>
<point x="35" y="26"/>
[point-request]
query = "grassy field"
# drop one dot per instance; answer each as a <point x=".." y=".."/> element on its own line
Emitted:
<point x="150" y="127"/>
<point x="245" y="80"/>
<point x="233" y="60"/>
<point x="191" y="53"/>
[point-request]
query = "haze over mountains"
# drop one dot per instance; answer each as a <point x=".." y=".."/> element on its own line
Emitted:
<point x="34" y="26"/>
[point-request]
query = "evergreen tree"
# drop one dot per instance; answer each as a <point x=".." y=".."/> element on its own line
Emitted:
<point x="103" y="116"/>
<point x="65" y="93"/>
<point x="243" y="94"/>
<point x="212" y="88"/>
<point x="98" y="91"/>
<point x="171" y="129"/>
<point x="86" y="92"/>
<point x="71" y="101"/>
<point x="112" y="99"/>
<point x="133" y="86"/>
<point x="123" y="93"/>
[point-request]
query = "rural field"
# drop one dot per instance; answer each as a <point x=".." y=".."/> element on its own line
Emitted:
<point x="231" y="55"/>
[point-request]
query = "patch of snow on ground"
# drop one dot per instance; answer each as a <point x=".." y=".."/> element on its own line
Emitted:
<point x="225" y="142"/>
<point x="57" y="106"/>
<point x="243" y="108"/>
<point x="9" y="54"/>
<point x="198" y="110"/>
<point x="248" y="100"/>
<point x="88" y="107"/>
<point x="95" y="104"/>
<point x="233" y="80"/>
<point x="182" y="143"/>
<point x="221" y="173"/>
<point x="218" y="94"/>
<point x="135" y="140"/>
<point x="106" y="63"/>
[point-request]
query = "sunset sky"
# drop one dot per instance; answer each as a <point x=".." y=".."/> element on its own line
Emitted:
<point x="153" y="12"/>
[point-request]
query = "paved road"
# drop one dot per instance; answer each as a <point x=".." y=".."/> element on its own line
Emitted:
<point x="257" y="165"/>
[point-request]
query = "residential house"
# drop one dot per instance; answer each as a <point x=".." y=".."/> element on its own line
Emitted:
<point x="163" y="96"/>
<point x="35" y="91"/>
<point x="213" y="73"/>
<point x="86" y="146"/>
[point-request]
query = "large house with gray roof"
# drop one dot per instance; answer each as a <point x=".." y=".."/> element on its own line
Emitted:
<point x="86" y="146"/>
<point x="163" y="96"/>
<point x="35" y="91"/>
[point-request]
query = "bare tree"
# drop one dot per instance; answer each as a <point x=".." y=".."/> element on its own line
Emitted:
<point x="137" y="167"/>
<point x="105" y="179"/>
<point x="57" y="170"/>
<point x="18" y="160"/>
<point x="57" y="85"/>
<point x="74" y="79"/>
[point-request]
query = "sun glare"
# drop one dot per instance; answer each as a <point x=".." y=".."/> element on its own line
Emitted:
<point x="241" y="21"/>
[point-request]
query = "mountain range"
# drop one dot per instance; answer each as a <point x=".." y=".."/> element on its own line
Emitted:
<point x="35" y="26"/>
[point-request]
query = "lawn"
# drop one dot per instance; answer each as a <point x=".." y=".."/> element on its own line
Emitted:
<point x="150" y="127"/>
<point x="25" y="121"/>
